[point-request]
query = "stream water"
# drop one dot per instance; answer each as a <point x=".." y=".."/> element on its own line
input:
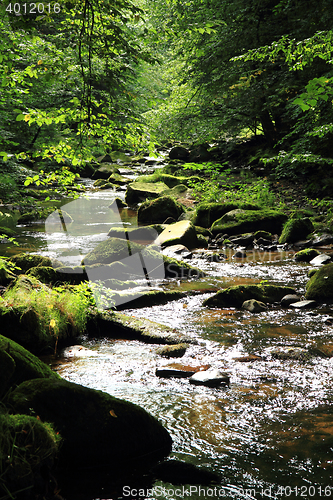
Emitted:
<point x="270" y="433"/>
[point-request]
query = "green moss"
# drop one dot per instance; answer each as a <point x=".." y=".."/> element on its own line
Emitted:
<point x="157" y="211"/>
<point x="6" y="272"/>
<point x="320" y="286"/>
<point x="170" y="180"/>
<point x="246" y="221"/>
<point x="26" y="365"/>
<point x="96" y="428"/>
<point x="306" y="255"/>
<point x="295" y="230"/>
<point x="207" y="213"/>
<point x="234" y="296"/>
<point x="26" y="261"/>
<point x="37" y="317"/>
<point x="27" y="446"/>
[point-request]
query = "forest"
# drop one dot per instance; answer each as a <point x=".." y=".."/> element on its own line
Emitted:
<point x="252" y="80"/>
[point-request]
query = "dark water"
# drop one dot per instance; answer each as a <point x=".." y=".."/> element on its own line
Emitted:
<point x="268" y="435"/>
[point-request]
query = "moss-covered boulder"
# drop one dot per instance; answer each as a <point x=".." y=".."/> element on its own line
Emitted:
<point x="6" y="272"/>
<point x="320" y="285"/>
<point x="25" y="261"/>
<point x="139" y="191"/>
<point x="139" y="261"/>
<point x="39" y="318"/>
<point x="96" y="428"/>
<point x="170" y="180"/>
<point x="296" y="230"/>
<point x="247" y="221"/>
<point x="180" y="233"/>
<point x="306" y="255"/>
<point x="105" y="170"/>
<point x="207" y="213"/>
<point x="28" y="450"/>
<point x="235" y="296"/>
<point x="17" y="365"/>
<point x="157" y="211"/>
<point x="118" y="179"/>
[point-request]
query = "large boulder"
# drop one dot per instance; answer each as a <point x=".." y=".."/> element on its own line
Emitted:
<point x="179" y="153"/>
<point x="157" y="211"/>
<point x="207" y="213"/>
<point x="139" y="191"/>
<point x="25" y="261"/>
<point x="96" y="428"/>
<point x="200" y="153"/>
<point x="105" y="170"/>
<point x="246" y="221"/>
<point x="17" y="365"/>
<point x="306" y="254"/>
<point x="180" y="233"/>
<point x="235" y="296"/>
<point x="296" y="230"/>
<point x="320" y="286"/>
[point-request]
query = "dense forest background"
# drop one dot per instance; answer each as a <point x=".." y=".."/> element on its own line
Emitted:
<point x="80" y="79"/>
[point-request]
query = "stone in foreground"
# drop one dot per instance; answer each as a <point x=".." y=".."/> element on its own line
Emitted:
<point x="97" y="428"/>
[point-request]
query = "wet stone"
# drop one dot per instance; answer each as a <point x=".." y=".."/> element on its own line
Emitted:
<point x="254" y="306"/>
<point x="304" y="304"/>
<point x="172" y="351"/>
<point x="321" y="260"/>
<point x="240" y="254"/>
<point x="249" y="358"/>
<point x="289" y="299"/>
<point x="210" y="378"/>
<point x="295" y="353"/>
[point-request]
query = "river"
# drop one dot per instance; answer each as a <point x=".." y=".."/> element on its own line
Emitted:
<point x="270" y="433"/>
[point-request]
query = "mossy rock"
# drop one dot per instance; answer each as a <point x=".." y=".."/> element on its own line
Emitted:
<point x="96" y="428"/>
<point x="117" y="203"/>
<point x="120" y="251"/>
<point x="137" y="192"/>
<point x="105" y="170"/>
<point x="101" y="183"/>
<point x="235" y="296"/>
<point x="7" y="219"/>
<point x="207" y="213"/>
<point x="118" y="179"/>
<point x="20" y="365"/>
<point x="202" y="241"/>
<point x="28" y="452"/>
<point x="146" y="298"/>
<point x="8" y="232"/>
<point x="157" y="211"/>
<point x="170" y="180"/>
<point x="179" y="233"/>
<point x="26" y="261"/>
<point x="247" y="221"/>
<point x="6" y="273"/>
<point x="306" y="255"/>
<point x="263" y="234"/>
<point x="320" y="285"/>
<point x="296" y="230"/>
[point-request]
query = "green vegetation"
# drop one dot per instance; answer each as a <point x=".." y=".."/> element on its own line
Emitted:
<point x="37" y="316"/>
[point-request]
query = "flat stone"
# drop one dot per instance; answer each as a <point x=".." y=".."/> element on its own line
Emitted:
<point x="248" y="359"/>
<point x="210" y="378"/>
<point x="320" y="260"/>
<point x="304" y="304"/>
<point x="173" y="372"/>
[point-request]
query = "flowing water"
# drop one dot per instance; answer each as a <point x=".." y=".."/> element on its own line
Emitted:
<point x="270" y="433"/>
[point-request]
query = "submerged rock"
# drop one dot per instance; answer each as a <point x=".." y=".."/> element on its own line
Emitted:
<point x="177" y="472"/>
<point x="234" y="296"/>
<point x="96" y="428"/>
